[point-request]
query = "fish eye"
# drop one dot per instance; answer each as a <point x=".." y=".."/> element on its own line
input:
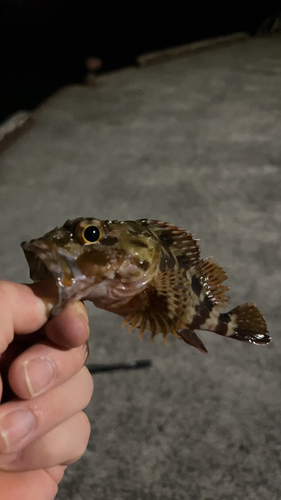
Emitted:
<point x="91" y="234"/>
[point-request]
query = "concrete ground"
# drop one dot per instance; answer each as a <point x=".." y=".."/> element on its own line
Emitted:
<point x="196" y="141"/>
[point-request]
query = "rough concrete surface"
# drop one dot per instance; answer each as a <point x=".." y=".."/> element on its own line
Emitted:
<point x="196" y="142"/>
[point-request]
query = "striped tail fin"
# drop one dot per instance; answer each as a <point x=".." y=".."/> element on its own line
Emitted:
<point x="244" y="323"/>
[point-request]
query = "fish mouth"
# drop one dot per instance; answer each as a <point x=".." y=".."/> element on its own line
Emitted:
<point x="51" y="261"/>
<point x="48" y="260"/>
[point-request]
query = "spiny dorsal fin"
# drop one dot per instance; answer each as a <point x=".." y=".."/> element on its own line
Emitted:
<point x="180" y="242"/>
<point x="212" y="277"/>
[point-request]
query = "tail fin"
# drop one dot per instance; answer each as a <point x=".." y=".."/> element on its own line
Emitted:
<point x="244" y="323"/>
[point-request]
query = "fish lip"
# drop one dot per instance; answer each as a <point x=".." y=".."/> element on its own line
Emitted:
<point x="38" y="270"/>
<point x="52" y="261"/>
<point x="53" y="258"/>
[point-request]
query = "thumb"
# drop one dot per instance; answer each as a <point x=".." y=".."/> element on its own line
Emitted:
<point x="23" y="309"/>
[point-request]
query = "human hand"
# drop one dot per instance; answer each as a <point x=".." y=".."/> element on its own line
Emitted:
<point x="42" y="426"/>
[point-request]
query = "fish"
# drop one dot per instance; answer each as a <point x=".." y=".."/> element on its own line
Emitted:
<point x="146" y="271"/>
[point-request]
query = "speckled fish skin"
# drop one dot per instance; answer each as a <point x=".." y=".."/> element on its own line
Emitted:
<point x="147" y="271"/>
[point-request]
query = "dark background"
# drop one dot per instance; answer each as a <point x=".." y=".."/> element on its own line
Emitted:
<point x="44" y="43"/>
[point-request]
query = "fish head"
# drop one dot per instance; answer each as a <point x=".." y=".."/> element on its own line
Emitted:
<point x="94" y="259"/>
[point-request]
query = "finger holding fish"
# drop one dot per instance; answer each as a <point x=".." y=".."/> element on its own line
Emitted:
<point x="38" y="403"/>
<point x="23" y="421"/>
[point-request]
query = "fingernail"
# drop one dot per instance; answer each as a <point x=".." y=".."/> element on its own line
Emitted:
<point x="81" y="313"/>
<point x="14" y="427"/>
<point x="39" y="373"/>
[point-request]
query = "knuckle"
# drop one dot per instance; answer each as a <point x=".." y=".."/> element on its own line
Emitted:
<point x="83" y="387"/>
<point x="89" y="385"/>
<point x="83" y="430"/>
<point x="86" y="428"/>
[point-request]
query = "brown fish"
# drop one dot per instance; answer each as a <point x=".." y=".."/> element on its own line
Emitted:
<point x="147" y="271"/>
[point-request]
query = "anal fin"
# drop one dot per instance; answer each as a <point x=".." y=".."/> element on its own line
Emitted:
<point x="189" y="337"/>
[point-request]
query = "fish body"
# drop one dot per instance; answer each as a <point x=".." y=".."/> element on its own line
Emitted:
<point x="148" y="272"/>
